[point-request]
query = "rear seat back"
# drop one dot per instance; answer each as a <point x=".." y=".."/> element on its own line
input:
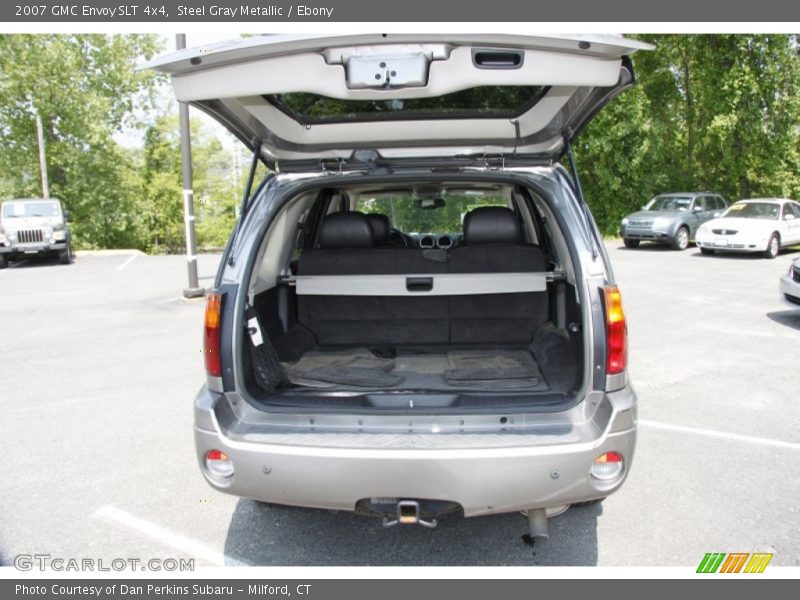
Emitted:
<point x="347" y="247"/>
<point x="381" y="228"/>
<point x="492" y="244"/>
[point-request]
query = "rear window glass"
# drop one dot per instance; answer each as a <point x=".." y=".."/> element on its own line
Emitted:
<point x="30" y="209"/>
<point x="480" y="102"/>
<point x="426" y="215"/>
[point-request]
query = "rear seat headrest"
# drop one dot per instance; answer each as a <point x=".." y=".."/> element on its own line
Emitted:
<point x="492" y="225"/>
<point x="380" y="226"/>
<point x="346" y="230"/>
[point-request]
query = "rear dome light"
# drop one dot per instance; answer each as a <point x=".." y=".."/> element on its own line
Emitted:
<point x="219" y="464"/>
<point x="616" y="331"/>
<point x="608" y="466"/>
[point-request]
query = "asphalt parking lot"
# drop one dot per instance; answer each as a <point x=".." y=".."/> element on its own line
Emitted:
<point x="101" y="359"/>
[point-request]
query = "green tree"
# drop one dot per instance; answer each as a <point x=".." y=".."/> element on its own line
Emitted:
<point x="716" y="112"/>
<point x="158" y="200"/>
<point x="85" y="88"/>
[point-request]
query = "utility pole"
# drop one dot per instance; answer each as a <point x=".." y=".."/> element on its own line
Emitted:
<point x="194" y="290"/>
<point x="42" y="158"/>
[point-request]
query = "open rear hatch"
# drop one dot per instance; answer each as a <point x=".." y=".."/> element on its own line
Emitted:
<point x="424" y="323"/>
<point x="386" y="97"/>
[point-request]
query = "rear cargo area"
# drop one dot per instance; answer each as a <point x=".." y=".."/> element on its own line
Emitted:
<point x="446" y="369"/>
<point x="493" y="313"/>
<point x="409" y="368"/>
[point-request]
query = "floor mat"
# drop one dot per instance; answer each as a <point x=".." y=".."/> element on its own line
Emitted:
<point x="468" y="370"/>
<point x="358" y="368"/>
<point x="498" y="368"/>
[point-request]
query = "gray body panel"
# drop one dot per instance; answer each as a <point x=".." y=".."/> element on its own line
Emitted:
<point x="790" y="286"/>
<point x="542" y="462"/>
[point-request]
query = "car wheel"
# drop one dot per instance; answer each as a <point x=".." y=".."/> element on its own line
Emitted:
<point x="773" y="246"/>
<point x="630" y="243"/>
<point x="65" y="255"/>
<point x="3" y="262"/>
<point x="706" y="251"/>
<point x="681" y="239"/>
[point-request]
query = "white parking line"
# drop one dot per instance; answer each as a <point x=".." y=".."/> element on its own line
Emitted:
<point x="738" y="437"/>
<point x="127" y="262"/>
<point x="164" y="536"/>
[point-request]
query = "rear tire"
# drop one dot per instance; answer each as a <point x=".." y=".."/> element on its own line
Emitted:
<point x="773" y="246"/>
<point x="3" y="261"/>
<point x="681" y="239"/>
<point x="630" y="243"/>
<point x="706" y="251"/>
<point x="590" y="502"/>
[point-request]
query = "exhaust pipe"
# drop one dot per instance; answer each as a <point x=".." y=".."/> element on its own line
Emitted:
<point x="408" y="514"/>
<point x="537" y="523"/>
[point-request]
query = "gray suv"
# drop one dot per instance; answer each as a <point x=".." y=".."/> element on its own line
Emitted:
<point x="32" y="227"/>
<point x="671" y="219"/>
<point x="415" y="314"/>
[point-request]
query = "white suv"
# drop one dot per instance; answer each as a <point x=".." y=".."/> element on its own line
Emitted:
<point x="31" y="227"/>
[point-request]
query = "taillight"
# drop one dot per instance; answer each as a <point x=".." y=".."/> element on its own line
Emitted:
<point x="607" y="466"/>
<point x="211" y="342"/>
<point x="219" y="464"/>
<point x="616" y="331"/>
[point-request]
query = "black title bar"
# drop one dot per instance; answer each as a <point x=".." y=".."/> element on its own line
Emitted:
<point x="467" y="11"/>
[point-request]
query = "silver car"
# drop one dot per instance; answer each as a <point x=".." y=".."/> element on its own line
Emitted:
<point x="671" y="219"/>
<point x="790" y="285"/>
<point x="34" y="227"/>
<point x="357" y="364"/>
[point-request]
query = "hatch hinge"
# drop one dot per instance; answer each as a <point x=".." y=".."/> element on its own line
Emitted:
<point x="332" y="166"/>
<point x="494" y="162"/>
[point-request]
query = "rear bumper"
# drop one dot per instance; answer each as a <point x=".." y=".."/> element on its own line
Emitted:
<point x="730" y="243"/>
<point x="31" y="249"/>
<point x="790" y="291"/>
<point x="644" y="233"/>
<point x="484" y="472"/>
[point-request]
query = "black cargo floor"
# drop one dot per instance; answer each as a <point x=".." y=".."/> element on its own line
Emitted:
<point x="469" y="370"/>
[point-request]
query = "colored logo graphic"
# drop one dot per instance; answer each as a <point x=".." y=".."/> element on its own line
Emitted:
<point x="734" y="562"/>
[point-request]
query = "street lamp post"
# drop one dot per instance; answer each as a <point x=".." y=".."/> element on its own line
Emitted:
<point x="42" y="157"/>
<point x="194" y="290"/>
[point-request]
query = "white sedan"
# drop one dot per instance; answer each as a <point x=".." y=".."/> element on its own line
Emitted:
<point x="760" y="225"/>
<point x="790" y="285"/>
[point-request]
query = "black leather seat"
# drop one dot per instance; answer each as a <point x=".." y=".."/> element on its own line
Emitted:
<point x="347" y="247"/>
<point x="380" y="227"/>
<point x="347" y="230"/>
<point x="493" y="243"/>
